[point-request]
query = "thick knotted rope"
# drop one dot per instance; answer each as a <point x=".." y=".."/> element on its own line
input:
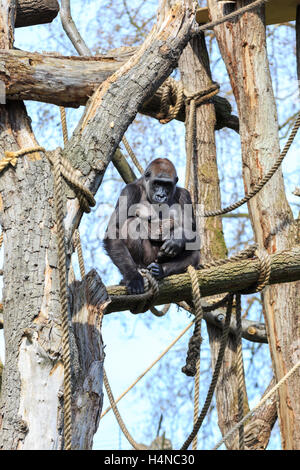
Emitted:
<point x="62" y="271"/>
<point x="264" y="180"/>
<point x="84" y="195"/>
<point x="240" y="369"/>
<point x="172" y="91"/>
<point x="214" y="380"/>
<point x="143" y="301"/>
<point x="193" y="353"/>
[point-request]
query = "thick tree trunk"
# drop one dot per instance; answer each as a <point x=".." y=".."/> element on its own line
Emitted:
<point x="31" y="399"/>
<point x="196" y="76"/>
<point x="243" y="47"/>
<point x="231" y="277"/>
<point x="32" y="76"/>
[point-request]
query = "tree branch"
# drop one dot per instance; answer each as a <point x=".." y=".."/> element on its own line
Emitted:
<point x="59" y="80"/>
<point x="231" y="277"/>
<point x="111" y="110"/>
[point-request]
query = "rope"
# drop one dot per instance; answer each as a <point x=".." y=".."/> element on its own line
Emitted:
<point x="192" y="101"/>
<point x="265" y="179"/>
<point x="132" y="155"/>
<point x="214" y="380"/>
<point x="77" y="243"/>
<point x="240" y="369"/>
<point x="231" y="16"/>
<point x="121" y="423"/>
<point x="84" y="195"/>
<point x="262" y="401"/>
<point x="151" y="365"/>
<point x="196" y="401"/>
<point x="12" y="157"/>
<point x="62" y="270"/>
<point x="264" y="272"/>
<point x="64" y="124"/>
<point x="171" y="90"/>
<point x="161" y="313"/>
<point x="145" y="300"/>
<point x="193" y="353"/>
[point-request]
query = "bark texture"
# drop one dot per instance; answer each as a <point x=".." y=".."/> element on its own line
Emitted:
<point x="88" y="299"/>
<point x="205" y="185"/>
<point x="31" y="415"/>
<point x="32" y="12"/>
<point x="33" y="76"/>
<point x="232" y="277"/>
<point x="243" y="47"/>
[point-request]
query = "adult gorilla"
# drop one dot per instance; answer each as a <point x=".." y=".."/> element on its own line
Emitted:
<point x="152" y="226"/>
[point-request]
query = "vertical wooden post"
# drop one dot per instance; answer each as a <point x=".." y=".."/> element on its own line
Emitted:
<point x="243" y="47"/>
<point x="196" y="76"/>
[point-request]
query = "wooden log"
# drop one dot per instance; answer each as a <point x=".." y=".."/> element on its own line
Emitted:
<point x="242" y="45"/>
<point x="87" y="300"/>
<point x="231" y="277"/>
<point x="32" y="12"/>
<point x="55" y="79"/>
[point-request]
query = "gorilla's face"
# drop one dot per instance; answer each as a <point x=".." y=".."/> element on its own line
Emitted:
<point x="160" y="190"/>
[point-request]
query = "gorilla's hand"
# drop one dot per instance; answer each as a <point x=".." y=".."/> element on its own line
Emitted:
<point x="134" y="283"/>
<point x="156" y="270"/>
<point x="171" y="248"/>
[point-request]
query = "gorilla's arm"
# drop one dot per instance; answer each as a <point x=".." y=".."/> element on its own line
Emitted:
<point x="116" y="247"/>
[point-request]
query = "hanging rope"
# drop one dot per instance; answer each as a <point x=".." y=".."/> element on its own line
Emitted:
<point x="172" y="91"/>
<point x="132" y="155"/>
<point x="261" y="402"/>
<point x="240" y="369"/>
<point x="151" y="365"/>
<point x="214" y="380"/>
<point x="62" y="270"/>
<point x="193" y="100"/>
<point x="193" y="353"/>
<point x="265" y="179"/>
<point x="64" y="124"/>
<point x="121" y="423"/>
<point x="196" y="401"/>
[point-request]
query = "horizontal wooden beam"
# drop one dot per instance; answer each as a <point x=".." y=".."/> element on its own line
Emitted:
<point x="70" y="81"/>
<point x="231" y="277"/>
<point x="32" y="12"/>
<point x="277" y="11"/>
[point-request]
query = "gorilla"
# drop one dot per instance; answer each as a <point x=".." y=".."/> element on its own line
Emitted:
<point x="153" y="226"/>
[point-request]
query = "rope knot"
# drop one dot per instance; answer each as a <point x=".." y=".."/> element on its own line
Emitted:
<point x="202" y="96"/>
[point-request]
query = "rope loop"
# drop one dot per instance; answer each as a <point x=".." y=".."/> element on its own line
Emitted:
<point x="146" y="300"/>
<point x="264" y="272"/>
<point x="172" y="92"/>
<point x="195" y="341"/>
